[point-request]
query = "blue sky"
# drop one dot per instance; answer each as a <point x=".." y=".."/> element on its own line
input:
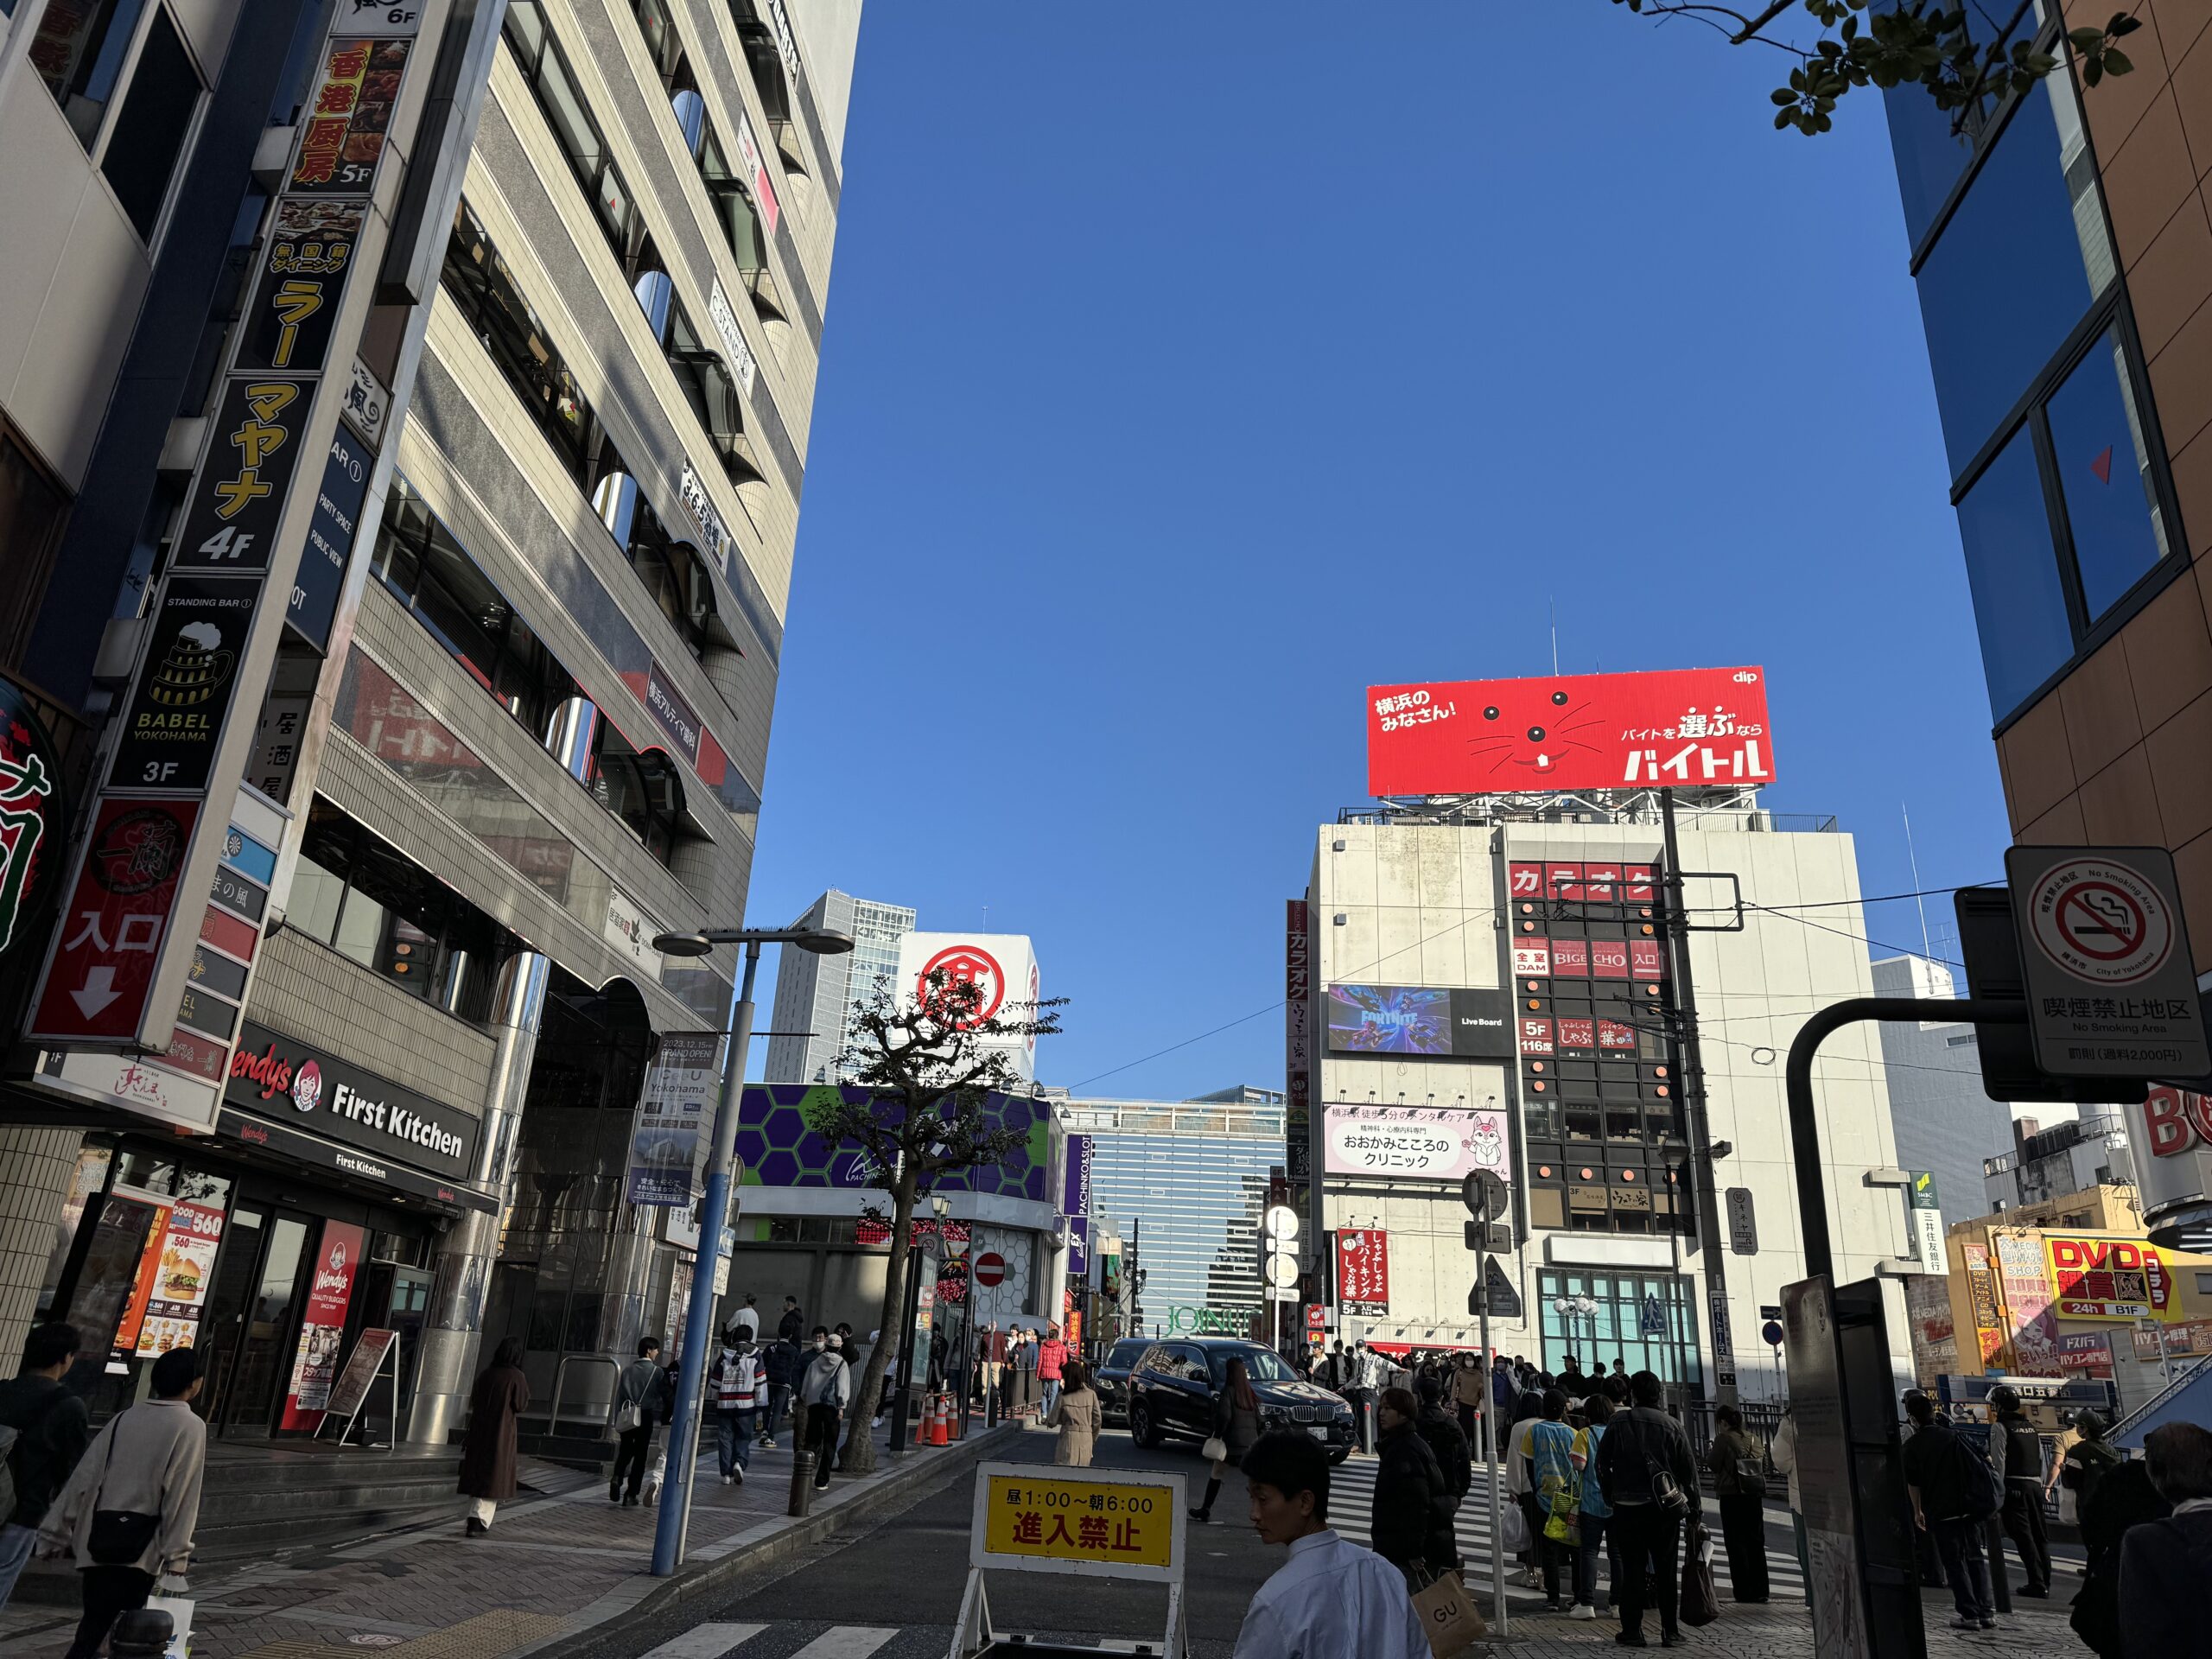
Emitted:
<point x="1181" y="380"/>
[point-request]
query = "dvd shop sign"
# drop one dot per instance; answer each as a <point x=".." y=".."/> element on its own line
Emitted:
<point x="278" y="1079"/>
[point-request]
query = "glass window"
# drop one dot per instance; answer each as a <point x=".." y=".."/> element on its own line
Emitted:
<point x="149" y="133"/>
<point x="316" y="893"/>
<point x="642" y="790"/>
<point x="2015" y="269"/>
<point x="79" y="53"/>
<point x="543" y="65"/>
<point x="710" y="390"/>
<point x="2020" y="605"/>
<point x="2104" y="472"/>
<point x="732" y="200"/>
<point x="663" y="45"/>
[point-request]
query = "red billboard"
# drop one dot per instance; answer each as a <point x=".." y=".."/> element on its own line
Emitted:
<point x="1685" y="727"/>
<point x="110" y="938"/>
<point x="1362" y="1270"/>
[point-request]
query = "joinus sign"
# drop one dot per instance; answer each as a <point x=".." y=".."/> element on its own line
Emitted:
<point x="284" y="1080"/>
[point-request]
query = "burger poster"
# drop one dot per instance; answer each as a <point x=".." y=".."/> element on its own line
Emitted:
<point x="183" y="1263"/>
<point x="315" y="1366"/>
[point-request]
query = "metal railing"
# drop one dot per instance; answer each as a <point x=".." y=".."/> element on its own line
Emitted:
<point x="1761" y="1420"/>
<point x="560" y="1382"/>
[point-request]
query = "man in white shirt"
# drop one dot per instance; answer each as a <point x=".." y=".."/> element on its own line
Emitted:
<point x="1331" y="1599"/>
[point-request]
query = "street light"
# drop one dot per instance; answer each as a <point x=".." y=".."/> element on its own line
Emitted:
<point x="674" y="1518"/>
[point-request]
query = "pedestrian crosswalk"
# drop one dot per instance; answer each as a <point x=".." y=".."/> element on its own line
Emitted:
<point x="1351" y="1506"/>
<point x="721" y="1641"/>
<point x="706" y="1641"/>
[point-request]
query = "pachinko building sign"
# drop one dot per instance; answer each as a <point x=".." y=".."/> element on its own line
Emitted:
<point x="1689" y="728"/>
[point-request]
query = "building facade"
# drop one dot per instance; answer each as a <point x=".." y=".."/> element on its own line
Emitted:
<point x="2077" y="1156"/>
<point x="528" y="736"/>
<point x="816" y="995"/>
<point x="1943" y="1120"/>
<point x="1491" y="991"/>
<point x="1187" y="1181"/>
<point x="2060" y="239"/>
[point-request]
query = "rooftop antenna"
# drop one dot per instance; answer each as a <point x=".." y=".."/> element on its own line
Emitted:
<point x="1918" y="902"/>
<point x="1551" y="607"/>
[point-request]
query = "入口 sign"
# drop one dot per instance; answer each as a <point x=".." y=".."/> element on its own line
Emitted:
<point x="2111" y="986"/>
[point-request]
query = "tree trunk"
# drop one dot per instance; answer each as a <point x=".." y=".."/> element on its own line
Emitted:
<point x="858" y="1457"/>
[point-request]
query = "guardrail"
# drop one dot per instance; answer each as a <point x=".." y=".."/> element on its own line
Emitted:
<point x="560" y="1382"/>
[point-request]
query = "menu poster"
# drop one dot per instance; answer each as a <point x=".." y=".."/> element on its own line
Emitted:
<point x="315" y="1366"/>
<point x="142" y="1290"/>
<point x="183" y="1264"/>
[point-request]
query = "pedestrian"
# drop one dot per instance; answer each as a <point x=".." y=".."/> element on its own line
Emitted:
<point x="1646" y="1473"/>
<point x="1945" y="1505"/>
<point x="1470" y="1393"/>
<point x="51" y="1429"/>
<point x="1785" y="1454"/>
<point x="825" y="1388"/>
<point x="1504" y="1388"/>
<point x="1076" y="1414"/>
<point x="747" y="1317"/>
<point x="1052" y="1367"/>
<point x="2165" y="1565"/>
<point x="2124" y="1499"/>
<point x="792" y="1325"/>
<point x="1620" y="1368"/>
<point x="1236" y="1425"/>
<point x="781" y="1364"/>
<point x="1595" y="1516"/>
<point x="1738" y="1465"/>
<point x="1927" y="1557"/>
<point x="1550" y="1493"/>
<point x="2087" y="1461"/>
<point x="1360" y="1391"/>
<point x="640" y="1400"/>
<point x="1412" y="1521"/>
<point x="128" y="1511"/>
<point x="2016" y="1451"/>
<point x="1440" y="1429"/>
<point x="734" y="1383"/>
<point x="1331" y="1599"/>
<point x="1570" y="1381"/>
<point x="487" y="1448"/>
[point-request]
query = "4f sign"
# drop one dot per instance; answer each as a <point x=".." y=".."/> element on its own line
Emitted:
<point x="2111" y="983"/>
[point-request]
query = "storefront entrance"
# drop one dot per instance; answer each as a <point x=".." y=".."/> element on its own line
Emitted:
<point x="253" y="1316"/>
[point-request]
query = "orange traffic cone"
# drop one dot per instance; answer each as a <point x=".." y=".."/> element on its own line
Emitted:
<point x="941" y="1422"/>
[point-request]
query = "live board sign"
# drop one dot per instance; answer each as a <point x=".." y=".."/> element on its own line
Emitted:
<point x="2111" y="983"/>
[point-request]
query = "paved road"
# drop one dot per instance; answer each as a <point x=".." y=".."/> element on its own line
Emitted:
<point x="891" y="1590"/>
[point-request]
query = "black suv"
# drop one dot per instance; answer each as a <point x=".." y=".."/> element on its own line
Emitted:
<point x="1172" y="1389"/>
<point x="1111" y="1379"/>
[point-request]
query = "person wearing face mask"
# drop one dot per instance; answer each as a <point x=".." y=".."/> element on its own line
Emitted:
<point x="825" y="1388"/>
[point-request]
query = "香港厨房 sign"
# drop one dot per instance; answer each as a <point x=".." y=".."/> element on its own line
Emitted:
<point x="1415" y="1143"/>
<point x="1682" y="727"/>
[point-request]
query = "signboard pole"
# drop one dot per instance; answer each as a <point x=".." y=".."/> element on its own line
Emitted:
<point x="1490" y="1456"/>
<point x="1677" y="919"/>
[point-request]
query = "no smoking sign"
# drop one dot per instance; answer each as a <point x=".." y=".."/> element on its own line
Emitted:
<point x="2111" y="983"/>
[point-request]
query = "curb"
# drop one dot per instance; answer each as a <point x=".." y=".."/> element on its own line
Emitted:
<point x="712" y="1568"/>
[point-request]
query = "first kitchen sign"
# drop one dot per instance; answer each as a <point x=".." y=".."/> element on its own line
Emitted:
<point x="2111" y="982"/>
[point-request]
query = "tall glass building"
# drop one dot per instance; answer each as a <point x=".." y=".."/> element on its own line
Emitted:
<point x="815" y="994"/>
<point x="1187" y="1181"/>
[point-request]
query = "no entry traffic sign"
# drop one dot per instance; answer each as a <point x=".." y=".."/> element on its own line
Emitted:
<point x="990" y="1268"/>
<point x="2111" y="984"/>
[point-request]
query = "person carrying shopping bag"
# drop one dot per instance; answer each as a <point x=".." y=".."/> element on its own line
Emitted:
<point x="127" y="1512"/>
<point x="1552" y="1476"/>
<point x="1236" y="1429"/>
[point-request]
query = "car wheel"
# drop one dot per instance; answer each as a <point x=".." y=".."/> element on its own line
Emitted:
<point x="1142" y="1429"/>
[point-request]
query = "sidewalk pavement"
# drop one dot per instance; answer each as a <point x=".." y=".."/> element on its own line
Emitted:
<point x="560" y="1562"/>
<point x="1784" y="1629"/>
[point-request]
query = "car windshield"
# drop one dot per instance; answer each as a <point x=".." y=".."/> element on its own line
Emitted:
<point x="1125" y="1354"/>
<point x="1261" y="1364"/>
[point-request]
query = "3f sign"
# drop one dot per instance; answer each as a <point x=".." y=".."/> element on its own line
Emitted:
<point x="158" y="771"/>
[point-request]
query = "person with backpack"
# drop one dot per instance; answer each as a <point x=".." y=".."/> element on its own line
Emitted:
<point x="733" y="1383"/>
<point x="43" y="1431"/>
<point x="1596" y="1517"/>
<point x="128" y="1511"/>
<point x="2086" y="1462"/>
<point x="825" y="1388"/>
<point x="1738" y="1465"/>
<point x="1953" y="1493"/>
<point x="1646" y="1473"/>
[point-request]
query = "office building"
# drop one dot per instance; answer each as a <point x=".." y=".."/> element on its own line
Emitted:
<point x="2077" y="1156"/>
<point x="517" y="730"/>
<point x="2062" y="244"/>
<point x="1943" y="1121"/>
<point x="1186" y="1180"/>
<point x="815" y="995"/>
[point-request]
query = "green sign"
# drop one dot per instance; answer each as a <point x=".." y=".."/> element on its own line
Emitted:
<point x="1207" y="1322"/>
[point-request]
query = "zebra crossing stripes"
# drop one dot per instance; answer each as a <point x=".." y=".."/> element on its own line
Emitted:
<point x="722" y="1641"/>
<point x="846" y="1642"/>
<point x="706" y="1641"/>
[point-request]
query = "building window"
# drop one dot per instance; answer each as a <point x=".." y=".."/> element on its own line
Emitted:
<point x="142" y="153"/>
<point x="79" y="53"/>
<point x="32" y="509"/>
<point x="2019" y="605"/>
<point x="1645" y="1321"/>
<point x="544" y="67"/>
<point x="673" y="579"/>
<point x="710" y="391"/>
<point x="2105" y="478"/>
<point x="764" y="60"/>
<point x="510" y="331"/>
<point x="427" y="570"/>
<point x="663" y="44"/>
<point x="640" y="788"/>
<point x="374" y="906"/>
<point x="734" y="208"/>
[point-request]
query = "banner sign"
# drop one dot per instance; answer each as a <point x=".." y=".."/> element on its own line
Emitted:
<point x="2110" y="1279"/>
<point x="184" y="1265"/>
<point x="284" y="1079"/>
<point x="2034" y="1327"/>
<point x="111" y="934"/>
<point x="314" y="1363"/>
<point x="2086" y="1352"/>
<point x="1117" y="1523"/>
<point x="666" y="1147"/>
<point x="1415" y="1143"/>
<point x="1297" y="1042"/>
<point x="1686" y="727"/>
<point x="1981" y="1291"/>
<point x="330" y="539"/>
<point x="1362" y="1270"/>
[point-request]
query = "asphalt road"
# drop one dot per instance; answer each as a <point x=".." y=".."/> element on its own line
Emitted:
<point x="904" y="1573"/>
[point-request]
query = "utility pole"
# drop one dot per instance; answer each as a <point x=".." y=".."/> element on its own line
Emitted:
<point x="1485" y="1196"/>
<point x="1677" y="919"/>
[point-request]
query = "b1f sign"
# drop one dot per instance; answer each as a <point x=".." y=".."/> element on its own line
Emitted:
<point x="1683" y="726"/>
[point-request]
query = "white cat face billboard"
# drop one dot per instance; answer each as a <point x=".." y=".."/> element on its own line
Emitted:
<point x="1415" y="1143"/>
<point x="1001" y="966"/>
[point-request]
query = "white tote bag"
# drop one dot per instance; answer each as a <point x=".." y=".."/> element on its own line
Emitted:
<point x="179" y="1608"/>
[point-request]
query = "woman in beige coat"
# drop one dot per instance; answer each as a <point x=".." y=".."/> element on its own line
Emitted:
<point x="1076" y="1414"/>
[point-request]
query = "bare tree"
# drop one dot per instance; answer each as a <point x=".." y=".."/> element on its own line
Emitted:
<point x="926" y="1068"/>
<point x="1962" y="54"/>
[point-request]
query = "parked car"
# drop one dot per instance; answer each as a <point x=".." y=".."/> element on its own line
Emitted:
<point x="1172" y="1390"/>
<point x="1111" y="1379"/>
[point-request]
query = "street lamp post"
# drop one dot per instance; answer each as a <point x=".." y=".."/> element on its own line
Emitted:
<point x="674" y="1518"/>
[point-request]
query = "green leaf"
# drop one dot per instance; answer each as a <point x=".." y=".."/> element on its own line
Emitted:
<point x="1782" y="95"/>
<point x="2117" y="62"/>
<point x="2093" y="69"/>
<point x="2122" y="24"/>
<point x="2085" y="39"/>
<point x="1782" y="120"/>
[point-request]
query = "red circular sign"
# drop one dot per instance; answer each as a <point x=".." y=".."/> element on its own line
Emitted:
<point x="990" y="1269"/>
<point x="967" y="964"/>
